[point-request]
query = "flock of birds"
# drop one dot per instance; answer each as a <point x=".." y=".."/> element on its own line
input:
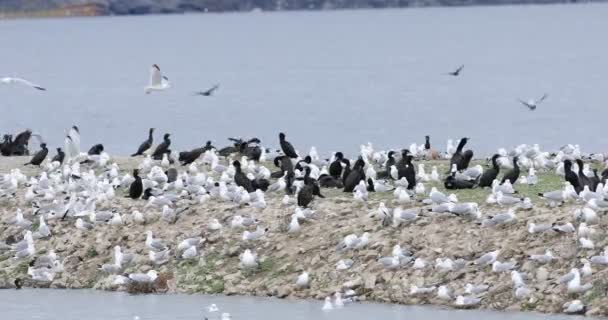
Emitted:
<point x="68" y="188"/>
<point x="159" y="82"/>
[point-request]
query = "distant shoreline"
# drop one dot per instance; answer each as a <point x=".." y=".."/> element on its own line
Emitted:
<point x="100" y="10"/>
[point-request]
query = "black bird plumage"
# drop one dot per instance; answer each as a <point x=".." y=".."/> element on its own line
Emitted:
<point x="241" y="179"/>
<point x="136" y="188"/>
<point x="571" y="176"/>
<point x="162" y="148"/>
<point x="456" y="72"/>
<point x="513" y="174"/>
<point x="490" y="174"/>
<point x="208" y="92"/>
<point x="458" y="157"/>
<point x="39" y="156"/>
<point x="354" y="176"/>
<point x="147" y="144"/>
<point x="59" y="157"/>
<point x="96" y="149"/>
<point x="583" y="180"/>
<point x="287" y="148"/>
<point x="335" y="168"/>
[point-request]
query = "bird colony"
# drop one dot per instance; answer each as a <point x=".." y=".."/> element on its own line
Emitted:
<point x="521" y="230"/>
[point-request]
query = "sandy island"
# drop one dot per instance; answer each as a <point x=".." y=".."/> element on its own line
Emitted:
<point x="283" y="256"/>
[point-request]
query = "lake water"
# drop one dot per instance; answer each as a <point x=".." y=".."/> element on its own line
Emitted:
<point x="48" y="304"/>
<point x="330" y="79"/>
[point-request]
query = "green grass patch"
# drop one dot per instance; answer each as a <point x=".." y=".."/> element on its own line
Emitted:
<point x="91" y="253"/>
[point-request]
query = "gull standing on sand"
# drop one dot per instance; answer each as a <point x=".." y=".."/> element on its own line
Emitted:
<point x="14" y="80"/>
<point x="158" y="82"/>
<point x="487" y="258"/>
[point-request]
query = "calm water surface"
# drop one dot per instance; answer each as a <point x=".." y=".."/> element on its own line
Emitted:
<point x="96" y="305"/>
<point x="330" y="79"/>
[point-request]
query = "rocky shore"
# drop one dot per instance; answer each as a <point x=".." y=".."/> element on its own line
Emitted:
<point x="17" y="8"/>
<point x="283" y="255"/>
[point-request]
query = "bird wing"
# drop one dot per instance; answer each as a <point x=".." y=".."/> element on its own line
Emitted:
<point x="155" y="76"/>
<point x="212" y="89"/>
<point x="524" y="103"/>
<point x="29" y="83"/>
<point x="542" y="98"/>
<point x="459" y="69"/>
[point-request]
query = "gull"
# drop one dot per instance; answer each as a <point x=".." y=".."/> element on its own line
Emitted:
<point x="522" y="292"/>
<point x="400" y="215"/>
<point x="531" y="103"/>
<point x="380" y="213"/>
<point x="416" y="290"/>
<point x="456" y="72"/>
<point x="443" y="293"/>
<point x="584" y="230"/>
<point x="526" y="204"/>
<point x="190" y="253"/>
<point x="214" y="225"/>
<point x="43" y="229"/>
<point x="419" y="263"/>
<point x="208" y="92"/>
<point x="586" y="269"/>
<point x="399" y="252"/>
<point x="467" y="301"/>
<point x="434" y="174"/>
<point x="444" y="265"/>
<point x="160" y="257"/>
<point x="574" y="307"/>
<point x="121" y="258"/>
<point x="157" y="81"/>
<point x="13" y="80"/>
<point x="41" y="274"/>
<point x="574" y="285"/>
<point x="503" y="199"/>
<point x="538" y="228"/>
<point x="344" y="264"/>
<point x="349" y="242"/>
<point x="338" y="302"/>
<point x="500" y="219"/>
<point x="154" y="244"/>
<point x="587" y="215"/>
<point x="327" y="305"/>
<point x="390" y="262"/>
<point x="302" y="280"/>
<point x="564" y="228"/>
<point x="438" y="197"/>
<point x="505" y="188"/>
<point x="475" y="289"/>
<point x="248" y="259"/>
<point x="213" y="308"/>
<point x="518" y="280"/>
<point x="189" y="242"/>
<point x="256" y="235"/>
<point x="294" y="225"/>
<point x="498" y="266"/>
<point x="586" y="243"/>
<point x="466" y="208"/>
<point x="568" y="276"/>
<point x="543" y="258"/>
<point x="82" y="225"/>
<point x="148" y="277"/>
<point x="27" y="252"/>
<point x="487" y="258"/>
<point x="138" y="217"/>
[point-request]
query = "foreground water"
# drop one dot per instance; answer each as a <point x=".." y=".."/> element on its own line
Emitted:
<point x="50" y="304"/>
<point x="330" y="79"/>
